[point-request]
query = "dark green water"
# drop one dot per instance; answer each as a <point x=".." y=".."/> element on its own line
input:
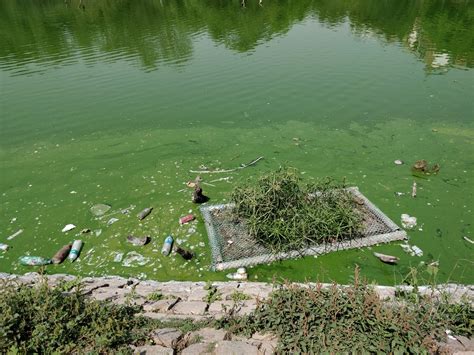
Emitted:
<point x="115" y="101"/>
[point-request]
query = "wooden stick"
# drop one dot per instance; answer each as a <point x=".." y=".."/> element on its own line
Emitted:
<point x="218" y="171"/>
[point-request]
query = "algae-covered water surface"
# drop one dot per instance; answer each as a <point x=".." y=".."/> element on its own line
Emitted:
<point x="115" y="102"/>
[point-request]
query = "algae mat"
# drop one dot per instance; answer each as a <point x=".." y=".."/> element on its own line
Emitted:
<point x="114" y="102"/>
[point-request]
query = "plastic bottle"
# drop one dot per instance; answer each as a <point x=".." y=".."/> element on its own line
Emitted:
<point x="34" y="260"/>
<point x="167" y="245"/>
<point x="75" y="250"/>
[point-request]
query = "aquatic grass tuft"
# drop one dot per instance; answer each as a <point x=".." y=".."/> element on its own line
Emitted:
<point x="283" y="213"/>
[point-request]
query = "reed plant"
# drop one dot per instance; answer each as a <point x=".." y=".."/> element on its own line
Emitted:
<point x="284" y="213"/>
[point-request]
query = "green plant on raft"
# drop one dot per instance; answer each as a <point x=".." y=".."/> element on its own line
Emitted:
<point x="283" y="213"/>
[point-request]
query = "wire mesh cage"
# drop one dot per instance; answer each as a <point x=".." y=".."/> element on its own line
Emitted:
<point x="233" y="247"/>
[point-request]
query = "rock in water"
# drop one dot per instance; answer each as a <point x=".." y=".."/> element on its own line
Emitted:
<point x="62" y="254"/>
<point x="145" y="213"/>
<point x="100" y="209"/>
<point x="138" y="241"/>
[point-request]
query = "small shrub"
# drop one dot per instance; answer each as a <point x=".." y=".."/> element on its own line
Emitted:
<point x="41" y="319"/>
<point x="238" y="296"/>
<point x="352" y="320"/>
<point x="155" y="296"/>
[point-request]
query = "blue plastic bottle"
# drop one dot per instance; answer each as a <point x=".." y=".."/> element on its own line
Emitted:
<point x="167" y="245"/>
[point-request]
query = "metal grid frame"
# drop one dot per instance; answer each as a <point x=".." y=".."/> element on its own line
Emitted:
<point x="219" y="262"/>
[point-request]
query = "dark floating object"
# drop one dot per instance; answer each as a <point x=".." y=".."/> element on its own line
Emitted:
<point x="421" y="166"/>
<point x="145" y="213"/>
<point x="198" y="197"/>
<point x="85" y="231"/>
<point x="187" y="255"/>
<point x="388" y="259"/>
<point x="62" y="254"/>
<point x="138" y="241"/>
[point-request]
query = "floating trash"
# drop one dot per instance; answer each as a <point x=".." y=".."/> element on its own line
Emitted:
<point x="241" y="274"/>
<point x="133" y="259"/>
<point x="4" y="247"/>
<point x="145" y="213"/>
<point x="34" y="260"/>
<point x="187" y="255"/>
<point x="388" y="259"/>
<point x="75" y="250"/>
<point x="97" y="232"/>
<point x="16" y="234"/>
<point x="408" y="222"/>
<point x="118" y="257"/>
<point x="68" y="227"/>
<point x="138" y="241"/>
<point x="412" y="249"/>
<point x="398" y="162"/>
<point x="468" y="240"/>
<point x="112" y="221"/>
<point x="186" y="219"/>
<point x="100" y="209"/>
<point x="167" y="245"/>
<point x="62" y="254"/>
<point x="85" y="231"/>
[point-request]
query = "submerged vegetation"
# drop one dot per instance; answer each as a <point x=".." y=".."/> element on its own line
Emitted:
<point x="353" y="320"/>
<point x="283" y="213"/>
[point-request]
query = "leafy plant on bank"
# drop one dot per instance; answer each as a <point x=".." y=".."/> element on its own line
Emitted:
<point x="283" y="213"/>
<point x="41" y="319"/>
<point x="352" y="319"/>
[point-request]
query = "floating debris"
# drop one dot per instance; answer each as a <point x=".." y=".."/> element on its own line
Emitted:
<point x="217" y="171"/>
<point x="62" y="254"/>
<point x="138" y="241"/>
<point x="412" y="249"/>
<point x="388" y="259"/>
<point x="100" y="209"/>
<point x="112" y="221"/>
<point x="145" y="213"/>
<point x="187" y="255"/>
<point x="167" y="245"/>
<point x="68" y="227"/>
<point x="34" y="260"/>
<point x="186" y="219"/>
<point x="133" y="259"/>
<point x="16" y="234"/>
<point x="399" y="193"/>
<point x="421" y="166"/>
<point x="97" y="232"/>
<point x="198" y="196"/>
<point x="75" y="250"/>
<point x="413" y="189"/>
<point x="468" y="240"/>
<point x="398" y="162"/>
<point x="85" y="231"/>
<point x="118" y="257"/>
<point x="4" y="247"/>
<point x="408" y="222"/>
<point x="417" y="251"/>
<point x="241" y="274"/>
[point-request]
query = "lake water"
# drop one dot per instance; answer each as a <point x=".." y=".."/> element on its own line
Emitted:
<point x="115" y="101"/>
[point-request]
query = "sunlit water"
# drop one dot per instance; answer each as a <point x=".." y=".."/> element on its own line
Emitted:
<point x="115" y="101"/>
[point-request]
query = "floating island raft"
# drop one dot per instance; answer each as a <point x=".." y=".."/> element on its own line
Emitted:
<point x="233" y="247"/>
